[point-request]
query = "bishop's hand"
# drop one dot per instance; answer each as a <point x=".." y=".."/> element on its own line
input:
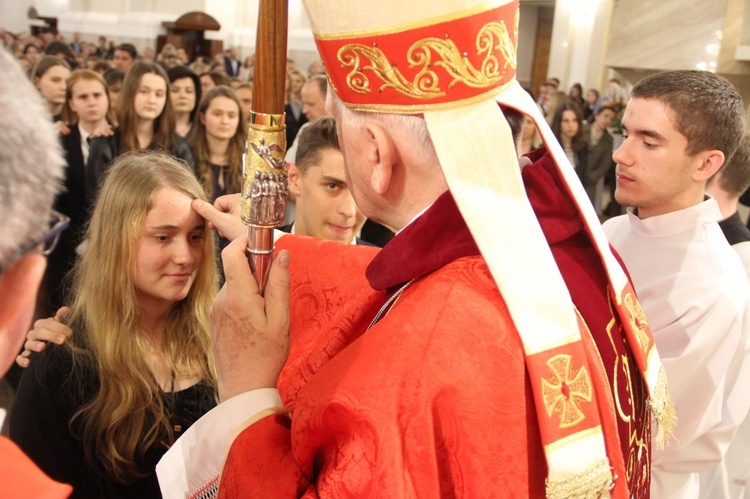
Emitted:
<point x="250" y="332"/>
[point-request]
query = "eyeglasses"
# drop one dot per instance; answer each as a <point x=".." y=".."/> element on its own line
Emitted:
<point x="46" y="243"/>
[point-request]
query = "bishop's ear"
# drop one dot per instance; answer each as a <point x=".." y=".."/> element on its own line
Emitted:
<point x="382" y="154"/>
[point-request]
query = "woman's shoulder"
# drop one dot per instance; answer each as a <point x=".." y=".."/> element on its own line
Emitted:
<point x="52" y="361"/>
<point x="53" y="375"/>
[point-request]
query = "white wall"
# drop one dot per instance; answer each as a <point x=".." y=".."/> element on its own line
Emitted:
<point x="527" y="26"/>
<point x="579" y="41"/>
<point x="139" y="22"/>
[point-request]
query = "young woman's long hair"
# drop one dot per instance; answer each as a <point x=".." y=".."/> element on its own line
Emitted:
<point x="85" y="74"/>
<point x="577" y="142"/>
<point x="127" y="415"/>
<point x="164" y="124"/>
<point x="44" y="64"/>
<point x="199" y="145"/>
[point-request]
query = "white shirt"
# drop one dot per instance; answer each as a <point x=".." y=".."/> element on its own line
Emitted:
<point x="731" y="479"/>
<point x="84" y="143"/>
<point x="694" y="292"/>
<point x="196" y="459"/>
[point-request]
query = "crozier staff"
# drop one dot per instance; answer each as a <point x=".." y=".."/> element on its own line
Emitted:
<point x="265" y="182"/>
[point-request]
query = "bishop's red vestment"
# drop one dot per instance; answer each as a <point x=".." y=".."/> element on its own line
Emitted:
<point x="434" y="399"/>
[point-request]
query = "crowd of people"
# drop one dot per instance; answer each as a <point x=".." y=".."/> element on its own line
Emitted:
<point x="480" y="334"/>
<point x="584" y="127"/>
<point x="110" y="108"/>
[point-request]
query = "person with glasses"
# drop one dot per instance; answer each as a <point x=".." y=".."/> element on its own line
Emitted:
<point x="32" y="164"/>
<point x="101" y="410"/>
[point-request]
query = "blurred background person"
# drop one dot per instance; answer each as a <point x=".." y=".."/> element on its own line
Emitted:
<point x="185" y="95"/>
<point x="530" y="138"/>
<point x="553" y="101"/>
<point x="145" y="122"/>
<point x="316" y="68"/>
<point x="600" y="149"/>
<point x="213" y="79"/>
<point x="575" y="95"/>
<point x="86" y="110"/>
<point x="589" y="103"/>
<point x="114" y="78"/>
<point x="244" y="94"/>
<point x="125" y="55"/>
<point x="567" y="126"/>
<point x="32" y="52"/>
<point x="247" y="69"/>
<point x="293" y="107"/>
<point x="218" y="142"/>
<point x="49" y="76"/>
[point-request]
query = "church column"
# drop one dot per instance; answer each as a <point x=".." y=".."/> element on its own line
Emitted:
<point x="579" y="36"/>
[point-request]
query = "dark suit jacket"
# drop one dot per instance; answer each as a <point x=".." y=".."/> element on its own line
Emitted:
<point x="288" y="230"/>
<point x="104" y="150"/>
<point x="293" y="123"/>
<point x="71" y="202"/>
<point x="232" y="67"/>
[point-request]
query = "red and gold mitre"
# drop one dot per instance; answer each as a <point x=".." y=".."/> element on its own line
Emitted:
<point x="453" y="62"/>
<point x="442" y="62"/>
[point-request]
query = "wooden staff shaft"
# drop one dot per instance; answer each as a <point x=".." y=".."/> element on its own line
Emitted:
<point x="270" y="57"/>
<point x="265" y="184"/>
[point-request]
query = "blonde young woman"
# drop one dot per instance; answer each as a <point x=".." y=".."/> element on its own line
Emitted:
<point x="101" y="410"/>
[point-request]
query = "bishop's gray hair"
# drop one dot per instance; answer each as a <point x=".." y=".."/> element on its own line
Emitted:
<point x="413" y="127"/>
<point x="31" y="160"/>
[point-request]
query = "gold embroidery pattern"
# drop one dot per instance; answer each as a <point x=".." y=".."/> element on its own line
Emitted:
<point x="631" y="408"/>
<point x="638" y="321"/>
<point x="564" y="391"/>
<point x="595" y="482"/>
<point x="493" y="41"/>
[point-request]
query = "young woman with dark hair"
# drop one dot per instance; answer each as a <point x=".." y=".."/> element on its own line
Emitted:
<point x="185" y="95"/>
<point x="567" y="125"/>
<point x="145" y="122"/>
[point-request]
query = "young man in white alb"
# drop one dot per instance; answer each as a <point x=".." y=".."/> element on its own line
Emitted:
<point x="680" y="128"/>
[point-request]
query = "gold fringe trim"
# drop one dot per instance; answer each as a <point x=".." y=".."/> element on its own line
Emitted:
<point x="591" y="484"/>
<point x="663" y="411"/>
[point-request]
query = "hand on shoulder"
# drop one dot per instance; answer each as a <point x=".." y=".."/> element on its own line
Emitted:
<point x="45" y="330"/>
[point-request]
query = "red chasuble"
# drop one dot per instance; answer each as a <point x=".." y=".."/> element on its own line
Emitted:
<point x="434" y="399"/>
<point x="21" y="478"/>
